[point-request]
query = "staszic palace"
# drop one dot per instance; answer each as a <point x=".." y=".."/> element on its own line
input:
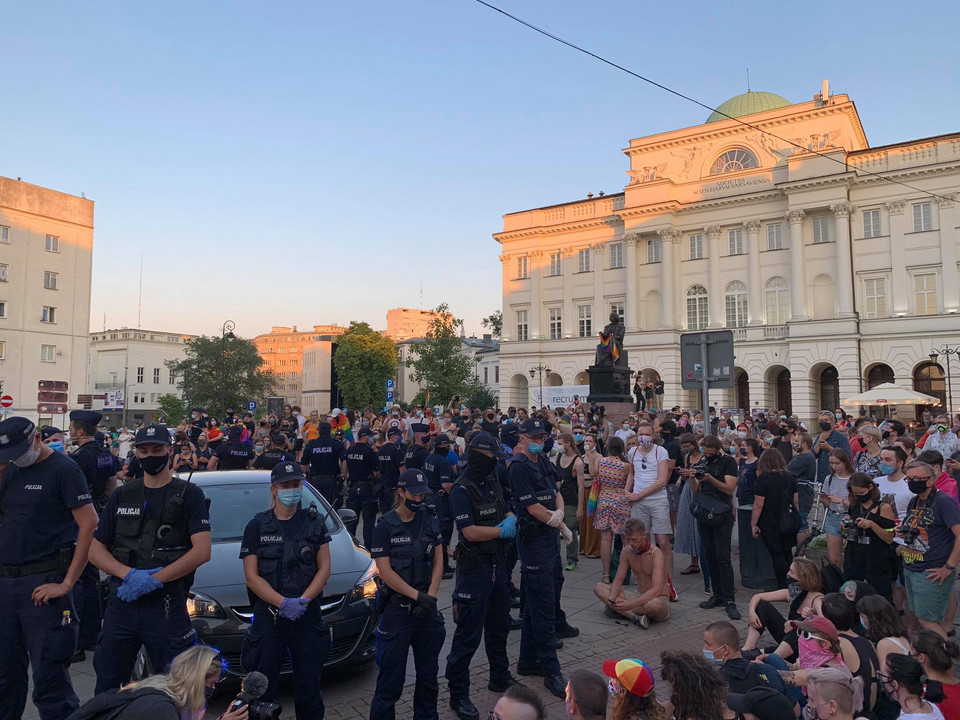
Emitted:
<point x="833" y="279"/>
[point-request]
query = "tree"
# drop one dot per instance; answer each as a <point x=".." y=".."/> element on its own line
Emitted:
<point x="171" y="408"/>
<point x="364" y="360"/>
<point x="215" y="374"/>
<point x="437" y="362"/>
<point x="494" y="321"/>
<point x="478" y="396"/>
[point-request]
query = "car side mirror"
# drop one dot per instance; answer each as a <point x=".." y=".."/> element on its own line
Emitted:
<point x="349" y="519"/>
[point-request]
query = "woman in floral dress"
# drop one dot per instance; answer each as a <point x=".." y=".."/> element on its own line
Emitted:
<point x="613" y="507"/>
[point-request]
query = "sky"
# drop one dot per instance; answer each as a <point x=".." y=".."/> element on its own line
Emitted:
<point x="302" y="163"/>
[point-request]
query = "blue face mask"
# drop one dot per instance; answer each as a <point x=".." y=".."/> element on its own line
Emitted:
<point x="365" y="423"/>
<point x="56" y="446"/>
<point x="886" y="469"/>
<point x="711" y="658"/>
<point x="535" y="448"/>
<point x="578" y="437"/>
<point x="290" y="498"/>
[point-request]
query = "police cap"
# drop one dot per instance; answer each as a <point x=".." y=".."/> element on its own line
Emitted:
<point x="235" y="432"/>
<point x="365" y="432"/>
<point x="156" y="434"/>
<point x="286" y="471"/>
<point x="413" y="481"/>
<point x="485" y="441"/>
<point x="324" y="426"/>
<point x="441" y="440"/>
<point x="394" y="431"/>
<point x="15" y="436"/>
<point x="278" y="439"/>
<point x="48" y="431"/>
<point x="533" y="426"/>
<point x="510" y="434"/>
<point x="88" y="416"/>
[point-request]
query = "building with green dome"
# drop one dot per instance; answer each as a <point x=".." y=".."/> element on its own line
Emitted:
<point x="749" y="103"/>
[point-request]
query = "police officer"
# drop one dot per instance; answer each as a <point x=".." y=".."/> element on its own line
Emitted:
<point x="480" y="606"/>
<point x="540" y="515"/>
<point x="440" y="478"/>
<point x="48" y="523"/>
<point x="323" y="460"/>
<point x="389" y="462"/>
<point x="417" y="453"/>
<point x="406" y="548"/>
<point x="52" y="437"/>
<point x="152" y="536"/>
<point x="233" y="454"/>
<point x="286" y="563"/>
<point x="363" y="481"/>
<point x="274" y="454"/>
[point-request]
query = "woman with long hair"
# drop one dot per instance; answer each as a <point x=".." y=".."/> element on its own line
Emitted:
<point x="214" y="433"/>
<point x="833" y="496"/>
<point x="631" y="687"/>
<point x="589" y="535"/>
<point x="774" y="489"/>
<point x="571" y="469"/>
<point x="883" y="625"/>
<point x="614" y="475"/>
<point x="867" y="554"/>
<point x="906" y="682"/>
<point x="937" y="657"/>
<point x="802" y="594"/>
<point x="697" y="689"/>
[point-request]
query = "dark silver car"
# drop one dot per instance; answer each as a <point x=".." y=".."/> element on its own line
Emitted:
<point x="219" y="604"/>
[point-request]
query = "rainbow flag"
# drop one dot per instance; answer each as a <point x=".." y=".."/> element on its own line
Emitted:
<point x="609" y="344"/>
<point x="341" y="423"/>
<point x="592" y="498"/>
<point x="426" y="403"/>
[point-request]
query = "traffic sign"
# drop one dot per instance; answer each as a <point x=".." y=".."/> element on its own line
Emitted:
<point x="6" y="401"/>
<point x="389" y="396"/>
<point x="252" y="406"/>
<point x="389" y="383"/>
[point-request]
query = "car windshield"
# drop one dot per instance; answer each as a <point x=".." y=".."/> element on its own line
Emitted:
<point x="232" y="506"/>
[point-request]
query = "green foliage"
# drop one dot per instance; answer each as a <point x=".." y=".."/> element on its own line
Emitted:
<point x="364" y="360"/>
<point x="494" y="322"/>
<point x="213" y="369"/>
<point x="478" y="396"/>
<point x="437" y="362"/>
<point x="171" y="408"/>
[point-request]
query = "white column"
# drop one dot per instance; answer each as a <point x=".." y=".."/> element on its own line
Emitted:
<point x="668" y="285"/>
<point x="715" y="291"/>
<point x="631" y="310"/>
<point x="841" y="223"/>
<point x="798" y="287"/>
<point x="900" y="287"/>
<point x="754" y="281"/>
<point x="948" y="254"/>
<point x="536" y="302"/>
<point x="600" y="309"/>
<point x="568" y="322"/>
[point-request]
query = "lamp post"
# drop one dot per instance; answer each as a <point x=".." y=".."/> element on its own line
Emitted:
<point x="946" y="351"/>
<point x="539" y="368"/>
<point x="226" y="333"/>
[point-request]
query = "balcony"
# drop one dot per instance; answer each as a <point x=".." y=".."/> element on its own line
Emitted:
<point x="774" y="332"/>
<point x="739" y="334"/>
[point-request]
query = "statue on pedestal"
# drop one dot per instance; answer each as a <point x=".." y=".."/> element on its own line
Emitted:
<point x="610" y="349"/>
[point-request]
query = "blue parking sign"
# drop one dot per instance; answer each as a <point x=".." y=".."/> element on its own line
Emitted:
<point x="252" y="406"/>
<point x="389" y="383"/>
<point x="389" y="396"/>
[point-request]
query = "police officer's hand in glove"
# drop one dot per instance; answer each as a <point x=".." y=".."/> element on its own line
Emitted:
<point x="138" y="583"/>
<point x="566" y="534"/>
<point x="293" y="608"/>
<point x="508" y="527"/>
<point x="426" y="605"/>
<point x="556" y="518"/>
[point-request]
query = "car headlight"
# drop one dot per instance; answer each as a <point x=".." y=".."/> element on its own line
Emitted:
<point x="201" y="606"/>
<point x="366" y="586"/>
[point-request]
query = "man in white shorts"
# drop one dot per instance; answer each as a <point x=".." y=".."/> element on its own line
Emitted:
<point x="651" y="472"/>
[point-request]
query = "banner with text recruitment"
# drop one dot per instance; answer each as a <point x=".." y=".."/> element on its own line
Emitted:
<point x="558" y="395"/>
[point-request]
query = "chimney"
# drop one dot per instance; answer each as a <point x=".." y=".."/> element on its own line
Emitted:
<point x="487" y="337"/>
<point x="589" y="196"/>
<point x="825" y="90"/>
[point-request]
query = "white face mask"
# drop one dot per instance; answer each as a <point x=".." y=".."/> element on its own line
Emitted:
<point x="28" y="458"/>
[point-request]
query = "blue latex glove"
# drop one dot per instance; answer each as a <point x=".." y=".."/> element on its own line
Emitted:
<point x="293" y="608"/>
<point x="138" y="583"/>
<point x="508" y="527"/>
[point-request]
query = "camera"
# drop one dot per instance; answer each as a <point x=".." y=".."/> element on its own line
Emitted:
<point x="910" y="535"/>
<point x="699" y="473"/>
<point x="849" y="526"/>
<point x="254" y="685"/>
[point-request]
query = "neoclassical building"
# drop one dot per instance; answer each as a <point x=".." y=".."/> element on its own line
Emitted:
<point x="834" y="263"/>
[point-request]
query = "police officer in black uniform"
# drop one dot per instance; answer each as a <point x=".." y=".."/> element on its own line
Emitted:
<point x="286" y="563"/>
<point x="481" y="596"/>
<point x="406" y="548"/>
<point x="273" y="455"/>
<point x="417" y="453"/>
<point x="540" y="512"/>
<point x="152" y="536"/>
<point x="323" y="460"/>
<point x="48" y="523"/>
<point x="389" y="461"/>
<point x="363" y="482"/>
<point x="233" y="454"/>
<point x="440" y="478"/>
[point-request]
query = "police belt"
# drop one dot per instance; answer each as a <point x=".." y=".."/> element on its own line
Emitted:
<point x="60" y="560"/>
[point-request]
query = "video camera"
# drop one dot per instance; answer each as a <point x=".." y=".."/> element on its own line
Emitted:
<point x="253" y="686"/>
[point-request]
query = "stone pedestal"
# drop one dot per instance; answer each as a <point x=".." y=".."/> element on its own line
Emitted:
<point x="610" y="384"/>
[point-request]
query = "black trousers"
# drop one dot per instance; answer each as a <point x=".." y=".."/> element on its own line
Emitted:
<point x="781" y="552"/>
<point x="774" y="623"/>
<point x="716" y="550"/>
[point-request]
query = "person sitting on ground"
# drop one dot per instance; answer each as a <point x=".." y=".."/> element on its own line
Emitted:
<point x="833" y="695"/>
<point x="519" y="703"/>
<point x="762" y="703"/>
<point x="883" y="626"/>
<point x="858" y="652"/>
<point x="646" y="562"/>
<point x="631" y="684"/>
<point x="937" y="657"/>
<point x="818" y="646"/>
<point x="721" y="646"/>
<point x="802" y="592"/>
<point x="586" y="696"/>
<point x="697" y="689"/>
<point x="906" y="682"/>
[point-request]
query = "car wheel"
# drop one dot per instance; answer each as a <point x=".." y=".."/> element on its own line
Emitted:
<point x="142" y="668"/>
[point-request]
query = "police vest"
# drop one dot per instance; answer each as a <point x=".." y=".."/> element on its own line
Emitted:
<point x="412" y="557"/>
<point x="104" y="467"/>
<point x="289" y="564"/>
<point x="144" y="542"/>
<point x="487" y="512"/>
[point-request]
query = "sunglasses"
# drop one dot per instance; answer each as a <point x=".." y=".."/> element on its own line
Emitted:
<point x="807" y="635"/>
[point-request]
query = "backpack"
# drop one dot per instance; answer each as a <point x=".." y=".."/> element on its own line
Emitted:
<point x="830" y="576"/>
<point x="112" y="704"/>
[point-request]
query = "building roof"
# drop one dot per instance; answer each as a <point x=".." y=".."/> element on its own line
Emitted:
<point x="747" y="104"/>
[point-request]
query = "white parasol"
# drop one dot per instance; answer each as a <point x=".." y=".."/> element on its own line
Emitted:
<point x="890" y="394"/>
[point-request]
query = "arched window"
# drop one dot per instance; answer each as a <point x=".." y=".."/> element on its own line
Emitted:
<point x="734" y="160"/>
<point x="878" y="375"/>
<point x="736" y="303"/>
<point x="697" y="317"/>
<point x="928" y="379"/>
<point x="829" y="388"/>
<point x="778" y="301"/>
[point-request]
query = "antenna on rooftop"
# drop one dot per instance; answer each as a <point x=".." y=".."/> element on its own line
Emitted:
<point x="140" y="294"/>
<point x="421" y="292"/>
<point x="748" y="80"/>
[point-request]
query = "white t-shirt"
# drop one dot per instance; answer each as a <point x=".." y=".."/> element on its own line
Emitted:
<point x="898" y="491"/>
<point x="934" y="715"/>
<point x="644" y="478"/>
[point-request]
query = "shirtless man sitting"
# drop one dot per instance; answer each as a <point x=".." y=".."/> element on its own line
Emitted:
<point x="647" y="563"/>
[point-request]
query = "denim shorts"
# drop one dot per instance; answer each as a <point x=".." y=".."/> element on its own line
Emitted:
<point x="832" y="525"/>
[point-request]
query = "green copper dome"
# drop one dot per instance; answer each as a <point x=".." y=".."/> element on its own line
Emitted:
<point x="748" y="104"/>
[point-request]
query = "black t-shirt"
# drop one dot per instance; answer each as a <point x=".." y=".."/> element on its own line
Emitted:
<point x="720" y="466"/>
<point x="674" y="452"/>
<point x="233" y="455"/>
<point x="415" y="457"/>
<point x="268" y="458"/>
<point x="491" y="426"/>
<point x="361" y="462"/>
<point x="772" y="487"/>
<point x="389" y="460"/>
<point x="323" y="455"/>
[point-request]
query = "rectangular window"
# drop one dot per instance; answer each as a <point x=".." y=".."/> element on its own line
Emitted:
<point x="617" y="307"/>
<point x="52" y="244"/>
<point x="821" y="230"/>
<point x="697" y="311"/>
<point x="875" y="298"/>
<point x="736" y="309"/>
<point x="496" y="373"/>
<point x="736" y="242"/>
<point x="49" y="314"/>
<point x="583" y="260"/>
<point x="4" y="235"/>
<point x="139" y="374"/>
<point x="922" y="220"/>
<point x="3" y="349"/>
<point x="48" y="353"/>
<point x="522" y="267"/>
<point x="51" y="280"/>
<point x="584" y="320"/>
<point x="925" y="292"/>
<point x="173" y="377"/>
<point x="871" y="223"/>
<point x="523" y="326"/>
<point x="556" y="264"/>
<point x="653" y="250"/>
<point x="486" y="375"/>
<point x="616" y="255"/>
<point x="775" y="236"/>
<point x="3" y="308"/>
<point x="556" y="324"/>
<point x="156" y="376"/>
<point x="696" y="246"/>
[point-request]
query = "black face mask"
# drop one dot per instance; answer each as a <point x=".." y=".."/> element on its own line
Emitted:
<point x="480" y="465"/>
<point x="154" y="464"/>
<point x="917" y="486"/>
<point x="824" y="425"/>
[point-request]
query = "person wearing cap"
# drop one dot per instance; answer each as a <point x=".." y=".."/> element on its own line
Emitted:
<point x="52" y="437"/>
<point x="540" y="516"/>
<point x="818" y="645"/>
<point x="286" y="564"/>
<point x="631" y="685"/>
<point x="440" y="477"/>
<point x="761" y="703"/>
<point x="324" y="461"/>
<point x="273" y="453"/>
<point x="361" y="476"/>
<point x="152" y="536"/>
<point x="481" y="596"/>
<point x="233" y="454"/>
<point x="390" y="464"/>
<point x="47" y="528"/>
<point x="417" y="453"/>
<point x="407" y="550"/>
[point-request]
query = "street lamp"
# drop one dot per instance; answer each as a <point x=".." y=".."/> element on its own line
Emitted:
<point x="946" y="351"/>
<point x="226" y="333"/>
<point x="539" y="368"/>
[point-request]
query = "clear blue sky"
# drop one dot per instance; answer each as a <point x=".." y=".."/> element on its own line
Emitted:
<point x="302" y="163"/>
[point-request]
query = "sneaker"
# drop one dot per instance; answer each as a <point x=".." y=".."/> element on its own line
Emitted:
<point x="641" y="621"/>
<point x="732" y="611"/>
<point x="711" y="602"/>
<point x="611" y="613"/>
<point x="570" y="567"/>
